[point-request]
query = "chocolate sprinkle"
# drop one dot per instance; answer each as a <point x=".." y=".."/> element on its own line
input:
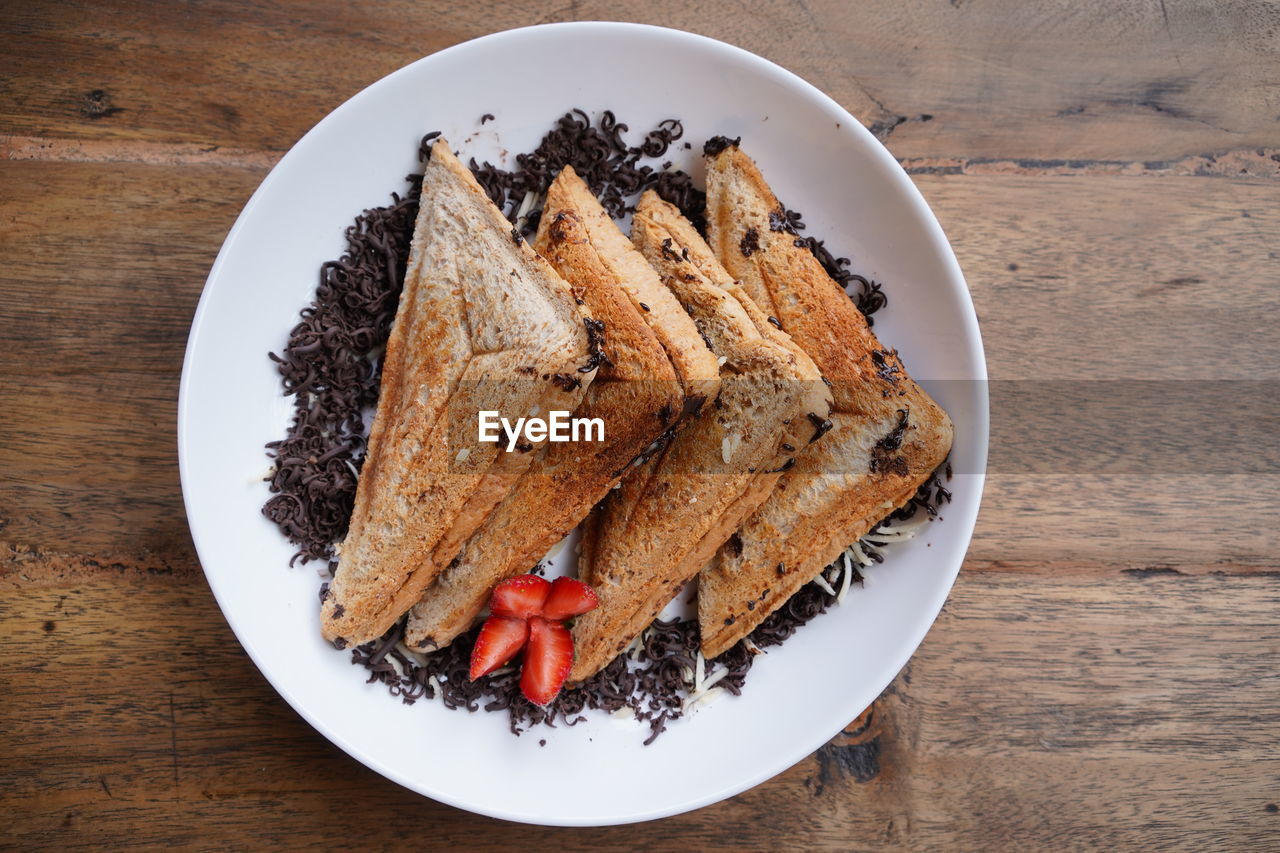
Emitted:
<point x="884" y="455"/>
<point x="749" y="245"/>
<point x="331" y="364"/>
<point x="566" y="382"/>
<point x="780" y="221"/>
<point x="885" y="365"/>
<point x="595" y="345"/>
<point x="821" y="426"/>
<point x="601" y="156"/>
<point x="893" y="440"/>
<point x="716" y="144"/>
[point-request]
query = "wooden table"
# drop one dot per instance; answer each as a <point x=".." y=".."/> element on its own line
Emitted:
<point x="1105" y="673"/>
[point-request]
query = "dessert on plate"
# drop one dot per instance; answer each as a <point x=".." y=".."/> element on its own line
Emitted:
<point x="756" y="437"/>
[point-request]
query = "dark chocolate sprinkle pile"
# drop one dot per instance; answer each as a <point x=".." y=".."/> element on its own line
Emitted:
<point x="331" y="364"/>
<point x="929" y="498"/>
<point x="652" y="685"/>
<point x="601" y="156"/>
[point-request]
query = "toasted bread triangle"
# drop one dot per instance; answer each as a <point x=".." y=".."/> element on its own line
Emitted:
<point x="478" y="310"/>
<point x="887" y="437"/>
<point x="635" y="393"/>
<point x="694" y="363"/>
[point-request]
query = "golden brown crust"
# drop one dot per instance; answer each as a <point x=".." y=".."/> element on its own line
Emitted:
<point x="695" y="365"/>
<point x="669" y="517"/>
<point x="477" y="306"/>
<point x="888" y="435"/>
<point x="636" y="395"/>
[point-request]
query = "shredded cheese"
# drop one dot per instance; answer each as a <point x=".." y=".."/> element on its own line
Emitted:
<point x="395" y="664"/>
<point x="859" y="555"/>
<point x="710" y="696"/>
<point x="886" y="535"/>
<point x="633" y="651"/>
<point x="845" y="574"/>
<point x="715" y="677"/>
<point x="526" y="204"/>
<point x="705" y="688"/>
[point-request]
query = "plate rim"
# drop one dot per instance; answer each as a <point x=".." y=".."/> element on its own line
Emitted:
<point x="926" y="614"/>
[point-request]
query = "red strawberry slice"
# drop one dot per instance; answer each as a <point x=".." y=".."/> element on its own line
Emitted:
<point x="547" y="660"/>
<point x="499" y="640"/>
<point x="521" y="596"/>
<point x="569" y="597"/>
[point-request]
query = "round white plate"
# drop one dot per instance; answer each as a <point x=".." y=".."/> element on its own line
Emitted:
<point x="821" y="161"/>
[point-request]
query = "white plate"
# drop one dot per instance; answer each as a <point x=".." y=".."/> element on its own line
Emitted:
<point x="821" y="161"/>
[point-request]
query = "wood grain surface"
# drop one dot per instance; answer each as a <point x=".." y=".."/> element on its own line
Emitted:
<point x="1105" y="674"/>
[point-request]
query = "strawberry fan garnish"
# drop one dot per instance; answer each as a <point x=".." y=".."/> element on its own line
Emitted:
<point x="528" y="612"/>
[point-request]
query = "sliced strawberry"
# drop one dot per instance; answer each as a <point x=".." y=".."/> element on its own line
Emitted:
<point x="569" y="597"/>
<point x="547" y="660"/>
<point x="521" y="596"/>
<point x="499" y="640"/>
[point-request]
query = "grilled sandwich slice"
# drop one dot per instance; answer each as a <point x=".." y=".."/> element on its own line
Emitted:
<point x="635" y="394"/>
<point x="480" y="316"/>
<point x="695" y="365"/>
<point x="887" y="437"/>
<point x="669" y="516"/>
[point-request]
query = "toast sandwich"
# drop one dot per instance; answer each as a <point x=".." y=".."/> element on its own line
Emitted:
<point x="671" y="515"/>
<point x="483" y="323"/>
<point x="887" y="438"/>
